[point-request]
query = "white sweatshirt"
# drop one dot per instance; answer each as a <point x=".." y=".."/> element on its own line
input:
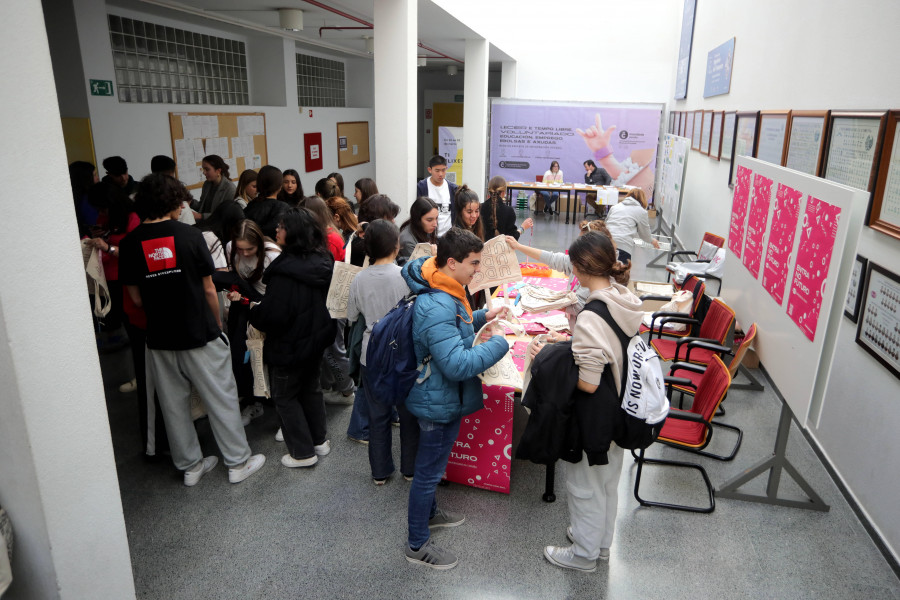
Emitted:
<point x="626" y="220"/>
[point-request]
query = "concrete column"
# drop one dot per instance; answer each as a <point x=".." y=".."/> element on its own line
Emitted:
<point x="475" y="115"/>
<point x="395" y="100"/>
<point x="508" y="79"/>
<point x="57" y="472"/>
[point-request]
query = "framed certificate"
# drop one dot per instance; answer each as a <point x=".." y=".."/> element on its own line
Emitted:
<point x="689" y="124"/>
<point x="744" y="139"/>
<point x="806" y="141"/>
<point x="878" y="330"/>
<point x="715" y="140"/>
<point x="728" y="134"/>
<point x="885" y="216"/>
<point x="855" y="292"/>
<point x="773" y="126"/>
<point x="678" y="123"/>
<point x="706" y="132"/>
<point x="853" y="148"/>
<point x="696" y="130"/>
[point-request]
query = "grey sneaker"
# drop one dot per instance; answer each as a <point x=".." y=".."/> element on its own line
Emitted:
<point x="432" y="556"/>
<point x="604" y="552"/>
<point x="564" y="556"/>
<point x="442" y="518"/>
<point x="253" y="464"/>
<point x="192" y="476"/>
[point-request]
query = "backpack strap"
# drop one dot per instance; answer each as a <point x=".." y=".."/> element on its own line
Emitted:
<point x="600" y="309"/>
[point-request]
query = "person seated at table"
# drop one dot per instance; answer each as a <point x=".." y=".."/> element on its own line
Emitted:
<point x="594" y="175"/>
<point x="498" y="217"/>
<point x="560" y="262"/>
<point x="553" y="175"/>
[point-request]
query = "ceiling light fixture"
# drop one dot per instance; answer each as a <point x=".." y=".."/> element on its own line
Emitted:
<point x="370" y="44"/>
<point x="451" y="70"/>
<point x="290" y="19"/>
<point x="422" y="61"/>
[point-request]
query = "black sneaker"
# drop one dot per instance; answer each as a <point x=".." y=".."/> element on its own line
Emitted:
<point x="432" y="556"/>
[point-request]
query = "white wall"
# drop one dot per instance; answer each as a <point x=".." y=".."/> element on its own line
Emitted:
<point x="137" y="132"/>
<point x="57" y="471"/>
<point x="786" y="58"/>
<point x="605" y="51"/>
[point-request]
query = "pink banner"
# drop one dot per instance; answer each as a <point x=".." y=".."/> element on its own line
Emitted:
<point x="739" y="210"/>
<point x="756" y="223"/>
<point x="813" y="258"/>
<point x="482" y="454"/>
<point x="781" y="241"/>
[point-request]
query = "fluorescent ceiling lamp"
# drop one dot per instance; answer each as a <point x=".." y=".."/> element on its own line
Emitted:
<point x="290" y="19"/>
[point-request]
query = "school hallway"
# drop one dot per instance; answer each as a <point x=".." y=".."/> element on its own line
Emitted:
<point x="328" y="532"/>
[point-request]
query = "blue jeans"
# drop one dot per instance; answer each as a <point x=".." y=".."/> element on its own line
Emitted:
<point x="550" y="199"/>
<point x="435" y="443"/>
<point x="381" y="458"/>
<point x="359" y="419"/>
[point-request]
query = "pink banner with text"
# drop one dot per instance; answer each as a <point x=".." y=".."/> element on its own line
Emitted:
<point x="781" y="241"/>
<point x="820" y="222"/>
<point x="756" y="223"/>
<point x="739" y="210"/>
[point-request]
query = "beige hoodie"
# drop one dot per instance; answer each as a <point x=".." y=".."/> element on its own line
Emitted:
<point x="594" y="343"/>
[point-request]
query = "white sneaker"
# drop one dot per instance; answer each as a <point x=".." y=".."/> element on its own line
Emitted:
<point x="323" y="449"/>
<point x="128" y="386"/>
<point x="279" y="437"/>
<point x="192" y="476"/>
<point x="289" y="461"/>
<point x="565" y="557"/>
<point x="253" y="464"/>
<point x="604" y="552"/>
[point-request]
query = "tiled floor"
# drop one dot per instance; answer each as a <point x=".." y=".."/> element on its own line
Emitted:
<point x="328" y="532"/>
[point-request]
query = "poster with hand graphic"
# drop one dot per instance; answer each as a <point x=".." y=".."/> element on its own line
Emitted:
<point x="781" y="241"/>
<point x="820" y="223"/>
<point x="739" y="210"/>
<point x="482" y="454"/>
<point x="756" y="223"/>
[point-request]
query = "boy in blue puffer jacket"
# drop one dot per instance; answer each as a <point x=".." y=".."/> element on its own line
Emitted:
<point x="444" y="328"/>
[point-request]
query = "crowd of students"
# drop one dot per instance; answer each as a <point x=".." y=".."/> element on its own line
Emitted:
<point x="190" y="277"/>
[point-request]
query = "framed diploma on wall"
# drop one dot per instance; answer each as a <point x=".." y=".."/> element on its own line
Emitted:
<point x="670" y="128"/>
<point x="773" y="128"/>
<point x="696" y="130"/>
<point x="706" y="131"/>
<point x="744" y="139"/>
<point x="806" y="141"/>
<point x="885" y="216"/>
<point x="689" y="124"/>
<point x="853" y="148"/>
<point x="855" y="291"/>
<point x="728" y="134"/>
<point x="678" y="116"/>
<point x="878" y="330"/>
<point x="715" y="140"/>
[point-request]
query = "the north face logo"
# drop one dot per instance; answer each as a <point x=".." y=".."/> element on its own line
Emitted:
<point x="159" y="253"/>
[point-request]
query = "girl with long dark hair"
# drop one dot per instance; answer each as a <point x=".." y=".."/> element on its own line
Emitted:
<point x="419" y="228"/>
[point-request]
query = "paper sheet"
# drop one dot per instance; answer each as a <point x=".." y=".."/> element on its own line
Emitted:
<point x="423" y="249"/>
<point x="209" y="126"/>
<point x="503" y="372"/>
<point x="184" y="153"/>
<point x="190" y="127"/>
<point x="199" y="150"/>
<point x="499" y="265"/>
<point x="218" y="145"/>
<point x="339" y="291"/>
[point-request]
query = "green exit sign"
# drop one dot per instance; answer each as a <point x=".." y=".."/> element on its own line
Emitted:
<point x="101" y="87"/>
<point x="458" y="98"/>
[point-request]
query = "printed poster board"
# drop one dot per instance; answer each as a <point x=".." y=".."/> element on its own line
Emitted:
<point x="671" y="177"/>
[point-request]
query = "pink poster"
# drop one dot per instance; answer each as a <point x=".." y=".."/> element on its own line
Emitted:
<point x="781" y="241"/>
<point x="757" y="222"/>
<point x="482" y="454"/>
<point x="817" y="236"/>
<point x="739" y="210"/>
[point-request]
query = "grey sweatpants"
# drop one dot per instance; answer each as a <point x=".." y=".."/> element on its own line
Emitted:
<point x="209" y="369"/>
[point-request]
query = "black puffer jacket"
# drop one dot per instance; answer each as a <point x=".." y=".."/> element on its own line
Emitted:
<point x="293" y="314"/>
<point x="266" y="212"/>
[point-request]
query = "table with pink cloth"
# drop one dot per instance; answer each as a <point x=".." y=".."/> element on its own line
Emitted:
<point x="482" y="456"/>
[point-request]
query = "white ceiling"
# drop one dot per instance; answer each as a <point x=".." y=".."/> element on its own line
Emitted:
<point x="437" y="29"/>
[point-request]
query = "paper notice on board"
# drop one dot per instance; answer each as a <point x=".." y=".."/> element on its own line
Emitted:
<point x="739" y="210"/>
<point x="209" y="126"/>
<point x="190" y="175"/>
<point x="199" y="151"/>
<point x="355" y="149"/>
<point x="756" y="223"/>
<point x="257" y="162"/>
<point x="184" y="153"/>
<point x="232" y="167"/>
<point x="190" y="127"/>
<point x="499" y="265"/>
<point x="218" y="146"/>
<point x="820" y="223"/>
<point x="781" y="241"/>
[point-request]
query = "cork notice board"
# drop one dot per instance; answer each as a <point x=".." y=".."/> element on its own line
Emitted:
<point x="353" y="143"/>
<point x="239" y="138"/>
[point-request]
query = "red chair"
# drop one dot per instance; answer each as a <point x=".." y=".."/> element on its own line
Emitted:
<point x="691" y="284"/>
<point x="692" y="430"/>
<point x="716" y="325"/>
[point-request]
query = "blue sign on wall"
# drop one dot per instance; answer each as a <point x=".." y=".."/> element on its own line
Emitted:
<point x="718" y="70"/>
<point x="684" y="49"/>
